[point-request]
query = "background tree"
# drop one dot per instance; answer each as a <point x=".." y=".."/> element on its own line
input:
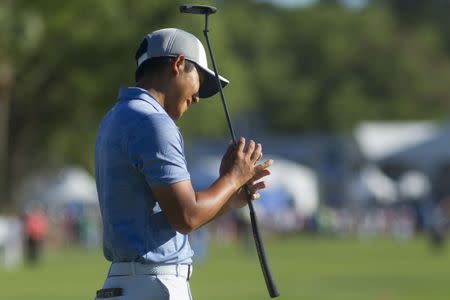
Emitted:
<point x="424" y="12"/>
<point x="322" y="68"/>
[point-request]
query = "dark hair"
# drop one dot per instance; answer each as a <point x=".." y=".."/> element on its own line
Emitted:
<point x="152" y="66"/>
<point x="155" y="65"/>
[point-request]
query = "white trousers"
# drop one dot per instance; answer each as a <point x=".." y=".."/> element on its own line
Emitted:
<point x="149" y="287"/>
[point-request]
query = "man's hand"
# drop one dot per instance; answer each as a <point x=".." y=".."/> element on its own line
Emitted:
<point x="250" y="154"/>
<point x="187" y="210"/>
<point x="239" y="199"/>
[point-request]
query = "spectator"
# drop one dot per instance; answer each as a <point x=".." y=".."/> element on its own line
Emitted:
<point x="36" y="228"/>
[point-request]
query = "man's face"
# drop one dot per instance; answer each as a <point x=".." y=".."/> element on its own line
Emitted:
<point x="184" y="92"/>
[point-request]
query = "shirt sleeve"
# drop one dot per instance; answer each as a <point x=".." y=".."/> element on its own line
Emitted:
<point x="155" y="148"/>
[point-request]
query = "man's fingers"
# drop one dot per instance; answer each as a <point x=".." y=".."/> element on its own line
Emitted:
<point x="260" y="174"/>
<point x="262" y="170"/>
<point x="250" y="148"/>
<point x="257" y="186"/>
<point x="256" y="153"/>
<point x="241" y="144"/>
<point x="255" y="196"/>
<point x="264" y="165"/>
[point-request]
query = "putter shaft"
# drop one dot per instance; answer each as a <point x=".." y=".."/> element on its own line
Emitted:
<point x="271" y="287"/>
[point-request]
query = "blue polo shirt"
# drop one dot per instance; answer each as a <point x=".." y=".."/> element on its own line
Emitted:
<point x="138" y="147"/>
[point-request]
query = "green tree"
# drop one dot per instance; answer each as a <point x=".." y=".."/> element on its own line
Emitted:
<point x="331" y="68"/>
<point x="321" y="68"/>
<point x="16" y="34"/>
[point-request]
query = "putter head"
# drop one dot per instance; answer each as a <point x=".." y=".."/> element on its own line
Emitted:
<point x="197" y="9"/>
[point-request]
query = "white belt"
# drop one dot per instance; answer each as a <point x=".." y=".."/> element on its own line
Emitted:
<point x="135" y="268"/>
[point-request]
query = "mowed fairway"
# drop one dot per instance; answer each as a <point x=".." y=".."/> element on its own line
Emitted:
<point x="304" y="268"/>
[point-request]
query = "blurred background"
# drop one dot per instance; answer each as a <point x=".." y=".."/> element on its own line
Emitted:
<point x="351" y="98"/>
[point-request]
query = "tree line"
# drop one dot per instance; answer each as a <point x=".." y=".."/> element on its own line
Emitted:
<point x="321" y="68"/>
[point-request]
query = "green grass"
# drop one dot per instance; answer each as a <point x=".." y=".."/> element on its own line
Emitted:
<point x="303" y="267"/>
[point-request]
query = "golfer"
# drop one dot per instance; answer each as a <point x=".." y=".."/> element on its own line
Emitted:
<point x="147" y="201"/>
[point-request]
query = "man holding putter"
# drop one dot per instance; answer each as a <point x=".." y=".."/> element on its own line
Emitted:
<point x="147" y="201"/>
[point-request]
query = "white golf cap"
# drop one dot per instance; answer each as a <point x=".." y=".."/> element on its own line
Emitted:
<point x="171" y="42"/>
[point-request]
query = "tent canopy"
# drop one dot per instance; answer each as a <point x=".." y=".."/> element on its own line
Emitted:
<point x="71" y="185"/>
<point x="378" y="140"/>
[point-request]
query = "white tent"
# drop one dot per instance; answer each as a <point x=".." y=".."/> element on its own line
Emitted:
<point x="378" y="140"/>
<point x="72" y="185"/>
<point x="414" y="185"/>
<point x="299" y="181"/>
<point x="427" y="156"/>
<point x="372" y="184"/>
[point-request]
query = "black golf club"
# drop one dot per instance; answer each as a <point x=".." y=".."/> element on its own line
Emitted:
<point x="207" y="10"/>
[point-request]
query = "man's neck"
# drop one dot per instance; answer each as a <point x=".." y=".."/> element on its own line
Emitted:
<point x="156" y="93"/>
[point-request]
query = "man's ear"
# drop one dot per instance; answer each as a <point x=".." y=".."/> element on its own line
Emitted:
<point x="177" y="64"/>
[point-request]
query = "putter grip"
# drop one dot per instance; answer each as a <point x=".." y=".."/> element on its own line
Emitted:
<point x="271" y="287"/>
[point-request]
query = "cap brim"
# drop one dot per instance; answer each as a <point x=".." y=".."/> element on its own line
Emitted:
<point x="209" y="86"/>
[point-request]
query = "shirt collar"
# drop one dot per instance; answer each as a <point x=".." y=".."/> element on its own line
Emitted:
<point x="133" y="93"/>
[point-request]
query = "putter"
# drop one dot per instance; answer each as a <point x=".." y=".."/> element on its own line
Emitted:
<point x="206" y="11"/>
